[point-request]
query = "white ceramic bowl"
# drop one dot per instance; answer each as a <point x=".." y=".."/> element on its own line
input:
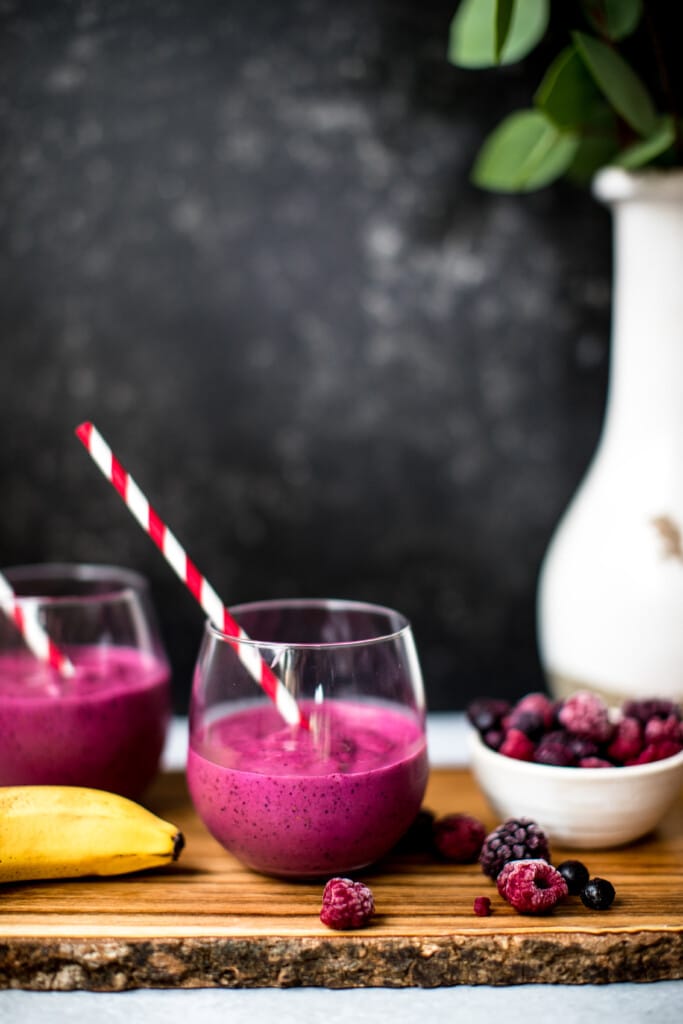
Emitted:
<point x="586" y="808"/>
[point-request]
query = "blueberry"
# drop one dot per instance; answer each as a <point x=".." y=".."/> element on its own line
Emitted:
<point x="598" y="894"/>
<point x="575" y="875"/>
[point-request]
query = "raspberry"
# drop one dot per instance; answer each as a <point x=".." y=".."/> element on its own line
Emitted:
<point x="346" y="904"/>
<point x="585" y="714"/>
<point x="487" y="713"/>
<point x="663" y="729"/>
<point x="515" y="839"/>
<point x="555" y="748"/>
<point x="657" y="751"/>
<point x="482" y="906"/>
<point x="598" y="894"/>
<point x="628" y="740"/>
<point x="518" y="745"/>
<point x="594" y="762"/>
<point x="531" y="886"/>
<point x="458" y="837"/>
<point x="575" y="874"/>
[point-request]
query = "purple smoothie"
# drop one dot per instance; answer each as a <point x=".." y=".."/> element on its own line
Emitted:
<point x="105" y="728"/>
<point x="295" y="803"/>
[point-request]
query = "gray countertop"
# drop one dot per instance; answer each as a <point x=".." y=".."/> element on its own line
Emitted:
<point x="661" y="1002"/>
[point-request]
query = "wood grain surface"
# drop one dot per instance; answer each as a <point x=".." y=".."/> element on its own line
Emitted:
<point x="207" y="921"/>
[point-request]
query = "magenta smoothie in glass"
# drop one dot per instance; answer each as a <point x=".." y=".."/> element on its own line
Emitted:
<point x="104" y="727"/>
<point x="336" y="797"/>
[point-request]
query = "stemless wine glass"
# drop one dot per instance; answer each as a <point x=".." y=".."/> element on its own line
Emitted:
<point x="336" y="794"/>
<point x="105" y="727"/>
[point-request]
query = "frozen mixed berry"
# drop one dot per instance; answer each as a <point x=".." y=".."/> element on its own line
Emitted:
<point x="663" y="729"/>
<point x="540" y="705"/>
<point x="657" y="751"/>
<point x="627" y="741"/>
<point x="487" y="713"/>
<point x="531" y="886"/>
<point x="482" y="906"/>
<point x="458" y="837"/>
<point x="555" y="748"/>
<point x="598" y="894"/>
<point x="418" y="836"/>
<point x="575" y="874"/>
<point x="346" y="904"/>
<point x="594" y="762"/>
<point x="582" y="747"/>
<point x="529" y="722"/>
<point x="518" y="745"/>
<point x="586" y="714"/>
<point x="515" y="839"/>
<point x="494" y="738"/>
<point x="644" y="710"/>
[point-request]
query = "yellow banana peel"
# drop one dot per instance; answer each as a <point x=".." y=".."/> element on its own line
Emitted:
<point x="72" y="831"/>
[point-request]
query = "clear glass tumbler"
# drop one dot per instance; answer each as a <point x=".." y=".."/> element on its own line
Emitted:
<point x="329" y="798"/>
<point x="105" y="727"/>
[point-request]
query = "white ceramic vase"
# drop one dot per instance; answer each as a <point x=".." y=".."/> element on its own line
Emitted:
<point x="610" y="594"/>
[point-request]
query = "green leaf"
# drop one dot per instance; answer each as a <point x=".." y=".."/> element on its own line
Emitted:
<point x="567" y="93"/>
<point x="598" y="145"/>
<point x="474" y="30"/>
<point x="504" y="11"/>
<point x="641" y="153"/>
<point x="613" y="19"/>
<point x="618" y="82"/>
<point x="525" y="152"/>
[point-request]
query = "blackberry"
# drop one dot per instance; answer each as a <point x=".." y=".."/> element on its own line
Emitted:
<point x="644" y="710"/>
<point x="515" y="839"/>
<point x="598" y="894"/>
<point x="346" y="904"/>
<point x="418" y="836"/>
<point x="531" y="723"/>
<point x="575" y="874"/>
<point x="487" y="713"/>
<point x="555" y="748"/>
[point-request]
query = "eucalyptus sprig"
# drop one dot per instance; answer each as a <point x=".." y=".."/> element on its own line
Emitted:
<point x="591" y="108"/>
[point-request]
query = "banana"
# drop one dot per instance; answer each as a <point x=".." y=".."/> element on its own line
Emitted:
<point x="71" y="831"/>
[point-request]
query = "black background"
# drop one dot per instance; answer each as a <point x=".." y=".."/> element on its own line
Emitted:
<point x="241" y="238"/>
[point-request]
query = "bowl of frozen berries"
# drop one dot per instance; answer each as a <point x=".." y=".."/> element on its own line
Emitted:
<point x="591" y="775"/>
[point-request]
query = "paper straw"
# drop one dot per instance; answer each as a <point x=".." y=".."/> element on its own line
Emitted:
<point x="198" y="585"/>
<point x="25" y="616"/>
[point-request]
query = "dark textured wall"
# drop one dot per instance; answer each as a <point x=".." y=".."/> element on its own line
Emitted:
<point x="241" y="238"/>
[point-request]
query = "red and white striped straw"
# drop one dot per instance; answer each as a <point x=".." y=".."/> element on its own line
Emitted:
<point x="197" y="584"/>
<point x="24" y="614"/>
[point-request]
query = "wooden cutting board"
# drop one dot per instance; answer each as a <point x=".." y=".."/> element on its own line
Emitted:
<point x="207" y="921"/>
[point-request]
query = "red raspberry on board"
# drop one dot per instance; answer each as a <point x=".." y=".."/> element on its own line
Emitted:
<point x="531" y="886"/>
<point x="482" y="906"/>
<point x="346" y="904"/>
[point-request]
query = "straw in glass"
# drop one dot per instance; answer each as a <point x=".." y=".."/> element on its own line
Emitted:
<point x="24" y="614"/>
<point x="197" y="584"/>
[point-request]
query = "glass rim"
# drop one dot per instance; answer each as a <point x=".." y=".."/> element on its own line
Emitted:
<point x="329" y="603"/>
<point x="124" y="581"/>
